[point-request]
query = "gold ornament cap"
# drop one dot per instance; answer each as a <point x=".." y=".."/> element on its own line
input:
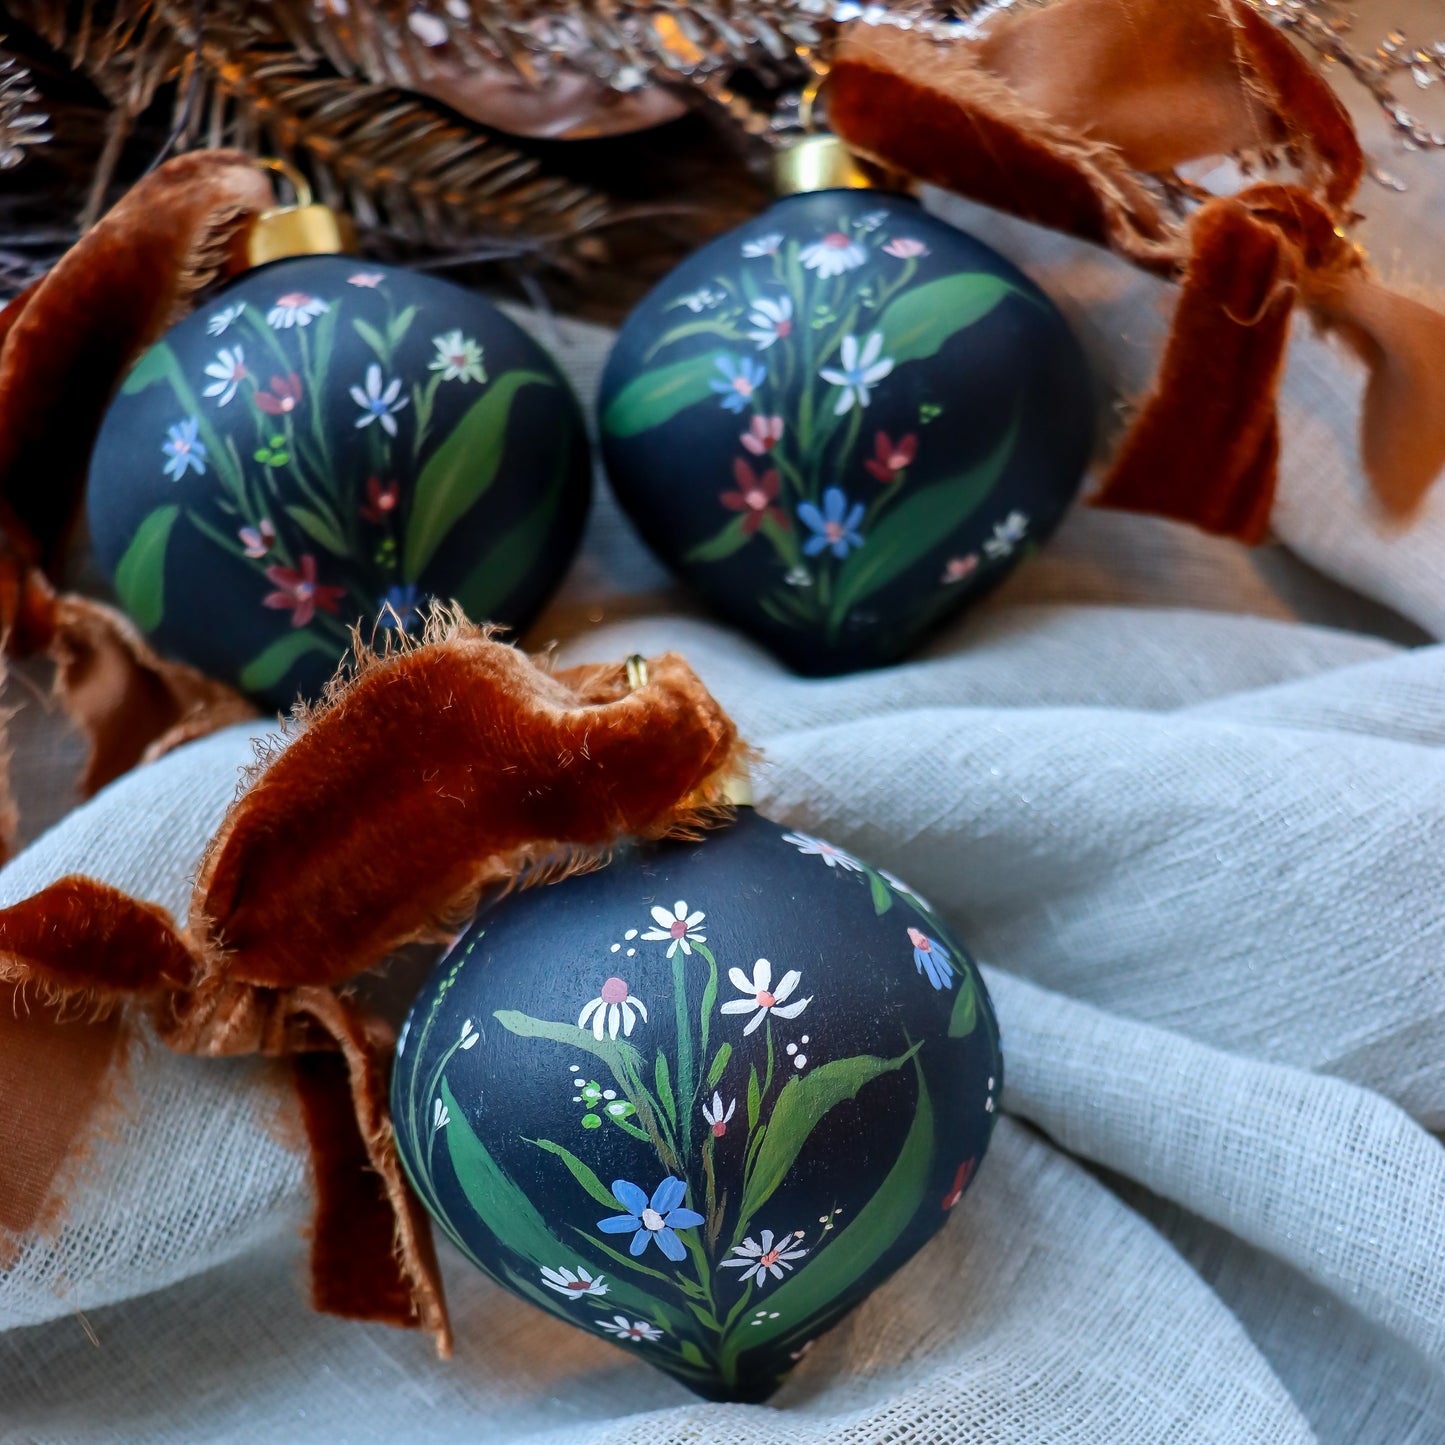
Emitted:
<point x="822" y="162"/>
<point x="306" y="228"/>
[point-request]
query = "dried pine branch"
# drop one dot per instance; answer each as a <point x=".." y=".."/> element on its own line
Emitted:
<point x="22" y="123"/>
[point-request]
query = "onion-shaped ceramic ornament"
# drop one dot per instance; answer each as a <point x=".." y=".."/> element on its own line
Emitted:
<point x="845" y="420"/>
<point x="702" y="1101"/>
<point x="330" y="442"/>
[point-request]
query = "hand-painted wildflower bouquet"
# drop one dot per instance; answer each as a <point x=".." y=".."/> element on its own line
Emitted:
<point x="701" y="1101"/>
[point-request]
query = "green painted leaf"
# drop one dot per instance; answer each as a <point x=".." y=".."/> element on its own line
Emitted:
<point x="843" y="1258"/>
<point x="158" y="364"/>
<point x="400" y="325"/>
<point x="915" y="526"/>
<point x="373" y="338"/>
<point x="267" y="668"/>
<point x="692" y="1354"/>
<point x="731" y="539"/>
<point x="580" y="1172"/>
<point x="140" y="575"/>
<point x="613" y="1052"/>
<point x="657" y="396"/>
<point x="461" y="469"/>
<point x="664" y="1089"/>
<point x="494" y="1198"/>
<point x="755" y="1099"/>
<point x="319" y="529"/>
<point x="919" y="321"/>
<point x="511" y="558"/>
<point x="882" y="894"/>
<point x="719" y="1063"/>
<point x="805" y="1099"/>
<point x="964" y="1017"/>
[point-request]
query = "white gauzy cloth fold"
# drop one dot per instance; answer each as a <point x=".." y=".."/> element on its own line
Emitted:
<point x="1189" y="804"/>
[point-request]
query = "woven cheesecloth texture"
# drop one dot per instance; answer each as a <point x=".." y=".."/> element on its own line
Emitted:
<point x="1189" y="804"/>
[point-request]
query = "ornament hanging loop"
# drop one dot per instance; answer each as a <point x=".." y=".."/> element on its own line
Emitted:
<point x="304" y="228"/>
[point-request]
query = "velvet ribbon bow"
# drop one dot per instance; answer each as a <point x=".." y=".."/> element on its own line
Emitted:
<point x="65" y="343"/>
<point x="435" y="773"/>
<point x="1077" y="115"/>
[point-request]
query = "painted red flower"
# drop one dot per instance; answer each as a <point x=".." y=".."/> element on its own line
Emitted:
<point x="284" y="395"/>
<point x="754" y="497"/>
<point x="960" y="1183"/>
<point x="300" y="592"/>
<point x="889" y="457"/>
<point x="380" y="500"/>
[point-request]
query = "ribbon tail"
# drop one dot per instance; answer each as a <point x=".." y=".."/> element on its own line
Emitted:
<point x="72" y="957"/>
<point x="1204" y="447"/>
<point x="67" y="341"/>
<point x="372" y="1256"/>
<point x="1402" y="420"/>
<point x="130" y="704"/>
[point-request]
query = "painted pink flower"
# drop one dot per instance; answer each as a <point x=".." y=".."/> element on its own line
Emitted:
<point x="283" y="396"/>
<point x="754" y="498"/>
<point x="762" y="435"/>
<point x="258" y="540"/>
<point x="370" y="280"/>
<point x="905" y="248"/>
<point x="890" y="458"/>
<point x="300" y="592"/>
<point x="960" y="567"/>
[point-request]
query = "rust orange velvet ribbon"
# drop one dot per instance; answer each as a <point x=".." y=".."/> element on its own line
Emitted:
<point x="437" y="772"/>
<point x="65" y="343"/>
<point x="1076" y="115"/>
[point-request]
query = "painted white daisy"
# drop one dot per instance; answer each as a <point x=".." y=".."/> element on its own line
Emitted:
<point x="677" y="929"/>
<point x="817" y="848"/>
<point x="378" y="403"/>
<point x="716" y="1116"/>
<point x="758" y="1261"/>
<point x="573" y="1282"/>
<point x="833" y="255"/>
<point x="771" y="319"/>
<point x="226" y="372"/>
<point x="761" y="998"/>
<point x="440" y="1115"/>
<point x="458" y="358"/>
<point x="703" y="299"/>
<point x="223" y="318"/>
<point x="635" y="1330"/>
<point x="295" y="308"/>
<point x="763" y="245"/>
<point x="614" y="1008"/>
<point x="469" y="1034"/>
<point x="1006" y="535"/>
<point x="863" y="367"/>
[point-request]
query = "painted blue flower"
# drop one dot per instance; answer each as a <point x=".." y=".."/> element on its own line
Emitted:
<point x="185" y="449"/>
<point x="657" y="1218"/>
<point x="931" y="959"/>
<point x="401" y="607"/>
<point x="741" y="377"/>
<point x="836" y="526"/>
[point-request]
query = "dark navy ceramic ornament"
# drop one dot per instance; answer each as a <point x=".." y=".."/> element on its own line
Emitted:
<point x="331" y="442"/>
<point x="702" y="1101"/>
<point x="844" y="421"/>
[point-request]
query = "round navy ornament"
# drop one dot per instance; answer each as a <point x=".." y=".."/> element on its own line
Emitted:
<point x="702" y="1101"/>
<point x="844" y="421"/>
<point x="331" y="442"/>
